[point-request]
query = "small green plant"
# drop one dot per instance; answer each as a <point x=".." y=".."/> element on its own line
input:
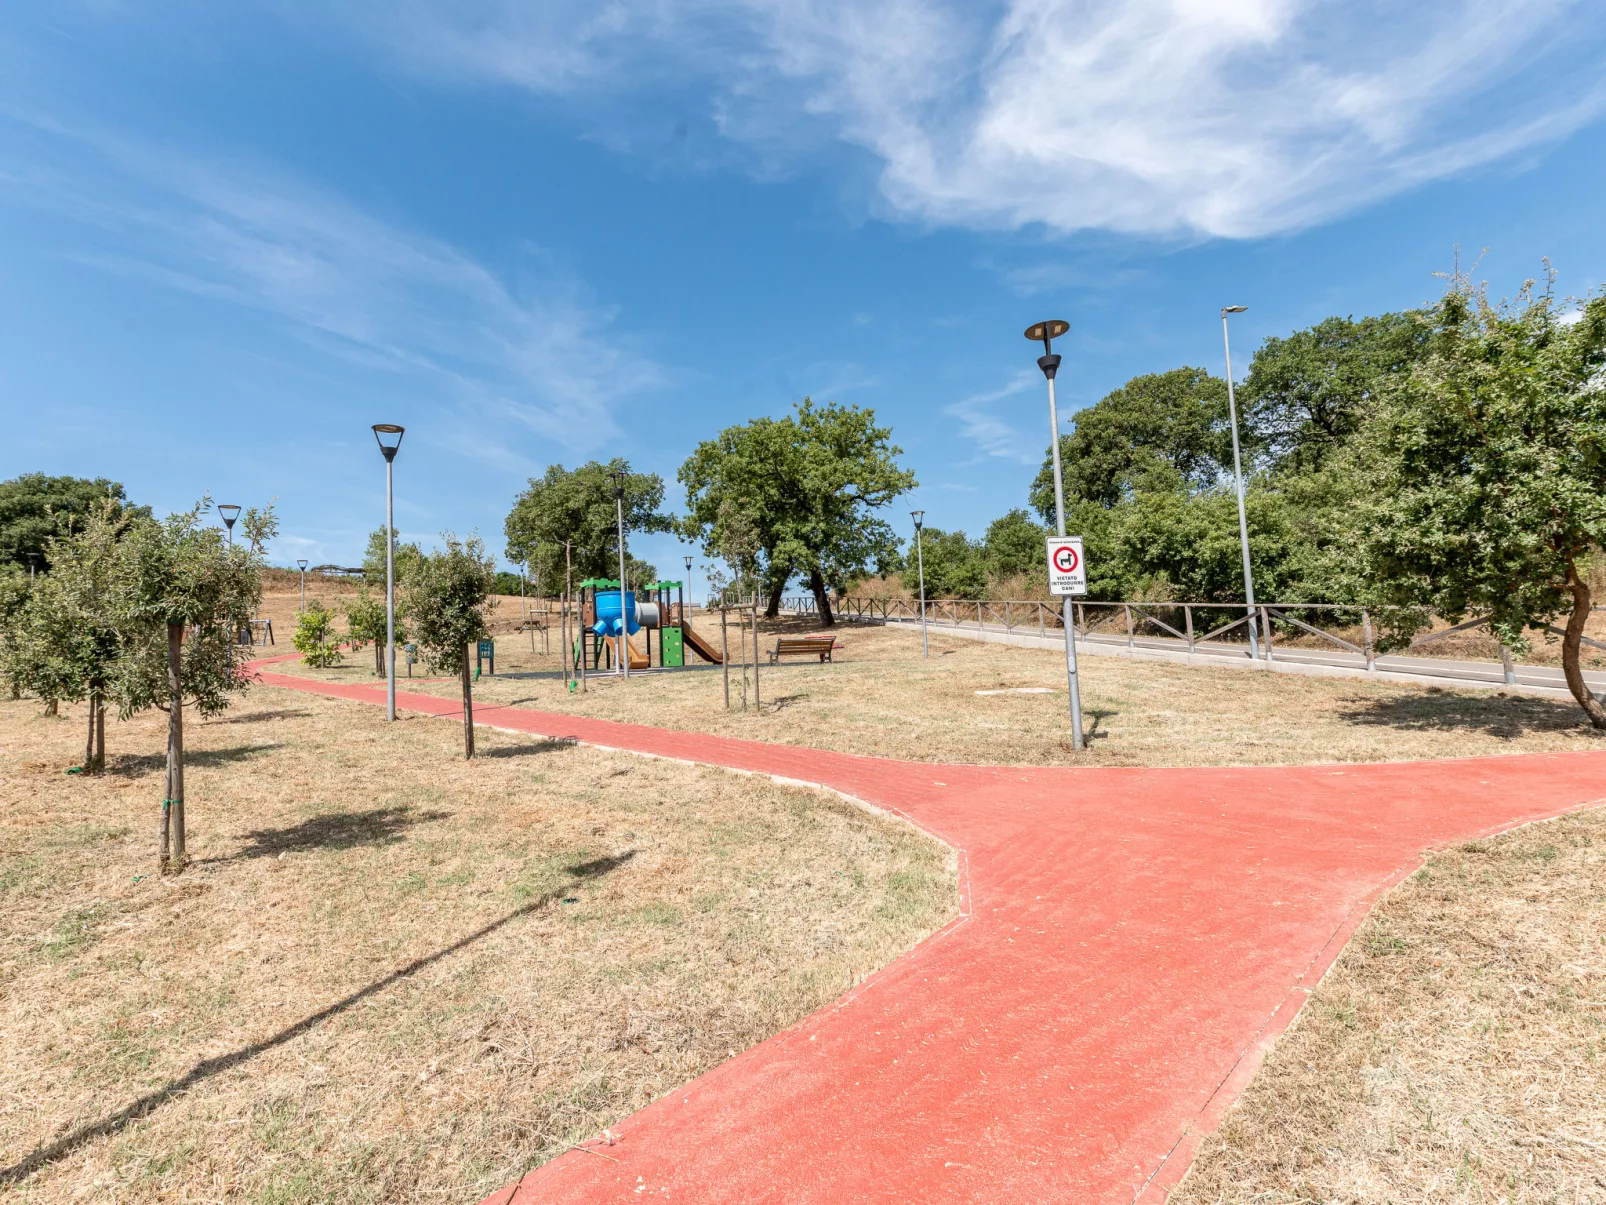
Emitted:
<point x="365" y="625"/>
<point x="315" y="637"/>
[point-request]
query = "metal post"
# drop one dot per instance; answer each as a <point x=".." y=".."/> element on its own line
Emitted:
<point x="1507" y="666"/>
<point x="390" y="592"/>
<point x="1050" y="365"/>
<point x="724" y="650"/>
<point x="302" y="565"/>
<point x="624" y="620"/>
<point x="756" y="706"/>
<point x="920" y="560"/>
<point x="1238" y="478"/>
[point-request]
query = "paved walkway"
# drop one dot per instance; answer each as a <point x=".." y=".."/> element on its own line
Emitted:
<point x="1130" y="943"/>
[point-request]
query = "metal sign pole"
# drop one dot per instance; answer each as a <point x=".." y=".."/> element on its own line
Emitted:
<point x="1049" y="363"/>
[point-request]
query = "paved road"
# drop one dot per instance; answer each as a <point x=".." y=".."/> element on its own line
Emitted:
<point x="1129" y="944"/>
<point x="1481" y="673"/>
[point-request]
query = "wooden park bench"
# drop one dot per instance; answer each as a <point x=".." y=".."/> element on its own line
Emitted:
<point x="804" y="646"/>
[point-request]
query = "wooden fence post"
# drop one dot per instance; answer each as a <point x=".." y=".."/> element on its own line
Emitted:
<point x="1187" y="615"/>
<point x="1366" y="639"/>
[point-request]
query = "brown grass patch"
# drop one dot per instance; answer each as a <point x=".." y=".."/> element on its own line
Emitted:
<point x="882" y="697"/>
<point x="1455" y="1053"/>
<point x="390" y="974"/>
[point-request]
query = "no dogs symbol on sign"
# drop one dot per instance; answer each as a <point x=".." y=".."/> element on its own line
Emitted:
<point x="1067" y="569"/>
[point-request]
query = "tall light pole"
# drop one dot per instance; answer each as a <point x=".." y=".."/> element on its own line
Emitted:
<point x="919" y="517"/>
<point x="624" y="620"/>
<point x="688" y="583"/>
<point x="229" y="514"/>
<point x="389" y="437"/>
<point x="1046" y="333"/>
<point x="1238" y="478"/>
<point x="301" y="564"/>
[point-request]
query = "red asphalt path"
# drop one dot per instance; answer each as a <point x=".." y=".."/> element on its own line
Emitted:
<point x="1130" y="943"/>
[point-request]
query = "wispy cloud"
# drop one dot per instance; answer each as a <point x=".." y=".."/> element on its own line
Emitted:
<point x="981" y="427"/>
<point x="1173" y="117"/>
<point x="518" y="346"/>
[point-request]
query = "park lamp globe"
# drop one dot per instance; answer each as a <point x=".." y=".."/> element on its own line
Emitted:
<point x="389" y="436"/>
<point x="229" y="514"/>
<point x="919" y="516"/>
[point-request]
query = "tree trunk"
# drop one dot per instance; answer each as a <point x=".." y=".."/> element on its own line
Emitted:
<point x="1570" y="648"/>
<point x="171" y="857"/>
<point x="468" y="708"/>
<point x="822" y="598"/>
<point x="95" y="740"/>
<point x="773" y="607"/>
<point x="52" y="707"/>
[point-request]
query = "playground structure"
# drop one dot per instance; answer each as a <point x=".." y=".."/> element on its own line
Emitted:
<point x="611" y="618"/>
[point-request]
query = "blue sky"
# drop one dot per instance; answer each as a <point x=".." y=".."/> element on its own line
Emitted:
<point x="234" y="236"/>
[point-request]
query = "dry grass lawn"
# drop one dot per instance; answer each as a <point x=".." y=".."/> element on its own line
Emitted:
<point x="1456" y="1052"/>
<point x="391" y="975"/>
<point x="881" y="697"/>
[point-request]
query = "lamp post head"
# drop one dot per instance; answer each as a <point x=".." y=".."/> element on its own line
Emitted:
<point x="229" y="514"/>
<point x="919" y="516"/>
<point x="389" y="436"/>
<point x="302" y="564"/>
<point x="618" y="476"/>
<point x="1045" y="333"/>
<point x="1232" y="309"/>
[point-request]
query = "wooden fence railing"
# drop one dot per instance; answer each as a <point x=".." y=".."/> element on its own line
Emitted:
<point x="1187" y="624"/>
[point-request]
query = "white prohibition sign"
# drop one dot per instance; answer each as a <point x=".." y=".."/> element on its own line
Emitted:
<point x="1067" y="567"/>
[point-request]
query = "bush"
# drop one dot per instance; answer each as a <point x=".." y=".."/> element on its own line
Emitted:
<point x="315" y="637"/>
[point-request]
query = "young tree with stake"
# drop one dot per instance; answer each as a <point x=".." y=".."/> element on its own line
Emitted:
<point x="449" y="602"/>
<point x="182" y="594"/>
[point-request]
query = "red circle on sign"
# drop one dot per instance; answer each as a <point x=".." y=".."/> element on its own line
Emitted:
<point x="1065" y="558"/>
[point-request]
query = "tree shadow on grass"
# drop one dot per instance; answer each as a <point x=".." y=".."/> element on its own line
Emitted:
<point x="207" y="1068"/>
<point x="252" y="717"/>
<point x="334" y="830"/>
<point x="547" y="746"/>
<point x="1505" y="717"/>
<point x="130" y="765"/>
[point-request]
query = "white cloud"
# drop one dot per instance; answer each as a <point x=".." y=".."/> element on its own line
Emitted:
<point x="1216" y="117"/>
<point x="981" y="426"/>
<point x="519" y="346"/>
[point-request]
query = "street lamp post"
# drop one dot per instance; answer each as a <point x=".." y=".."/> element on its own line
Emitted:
<point x="1047" y="332"/>
<point x="1238" y="480"/>
<point x="229" y="514"/>
<point x="624" y="619"/>
<point x="389" y="437"/>
<point x="301" y="564"/>
<point x="688" y="584"/>
<point x="919" y="517"/>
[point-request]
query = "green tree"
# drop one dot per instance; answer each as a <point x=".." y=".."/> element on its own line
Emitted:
<point x="1308" y="393"/>
<point x="806" y="487"/>
<point x="1160" y="431"/>
<point x="1015" y="544"/>
<point x="315" y="638"/>
<point x="36" y="508"/>
<point x="1488" y="472"/>
<point x="366" y="623"/>
<point x="955" y="565"/>
<point x="1185" y="547"/>
<point x="181" y="595"/>
<point x="577" y="505"/>
<point x="405" y="559"/>
<point x="449" y="603"/>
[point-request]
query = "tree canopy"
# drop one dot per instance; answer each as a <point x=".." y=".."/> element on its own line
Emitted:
<point x="36" y="507"/>
<point x="577" y="505"/>
<point x="797" y="495"/>
<point x="1486" y="472"/>
<point x="1309" y="392"/>
<point x="448" y="605"/>
<point x="1159" y="431"/>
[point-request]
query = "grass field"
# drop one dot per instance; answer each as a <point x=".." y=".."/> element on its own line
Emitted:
<point x="390" y="974"/>
<point x="881" y="697"/>
<point x="1455" y="1053"/>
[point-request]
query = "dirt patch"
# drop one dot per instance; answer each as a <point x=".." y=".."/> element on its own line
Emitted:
<point x="391" y="975"/>
<point x="1455" y="1053"/>
<point x="881" y="696"/>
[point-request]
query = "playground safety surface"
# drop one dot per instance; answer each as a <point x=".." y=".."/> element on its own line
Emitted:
<point x="1130" y="943"/>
